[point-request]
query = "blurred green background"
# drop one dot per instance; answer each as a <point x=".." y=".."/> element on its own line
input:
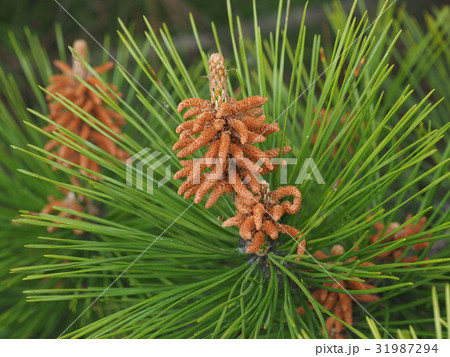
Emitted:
<point x="99" y="17"/>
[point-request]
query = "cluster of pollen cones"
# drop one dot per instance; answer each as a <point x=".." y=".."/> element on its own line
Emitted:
<point x="260" y="217"/>
<point x="229" y="130"/>
<point x="409" y="230"/>
<point x="340" y="303"/>
<point x="68" y="86"/>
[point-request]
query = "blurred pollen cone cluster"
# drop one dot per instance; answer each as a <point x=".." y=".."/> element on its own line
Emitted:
<point x="68" y="86"/>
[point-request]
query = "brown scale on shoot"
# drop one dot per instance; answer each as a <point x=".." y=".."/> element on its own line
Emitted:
<point x="70" y="201"/>
<point x="228" y="128"/>
<point x="260" y="216"/>
<point x="340" y="304"/>
<point x="68" y="86"/>
<point x="409" y="230"/>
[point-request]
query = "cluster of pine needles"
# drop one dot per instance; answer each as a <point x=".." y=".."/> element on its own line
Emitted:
<point x="318" y="249"/>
